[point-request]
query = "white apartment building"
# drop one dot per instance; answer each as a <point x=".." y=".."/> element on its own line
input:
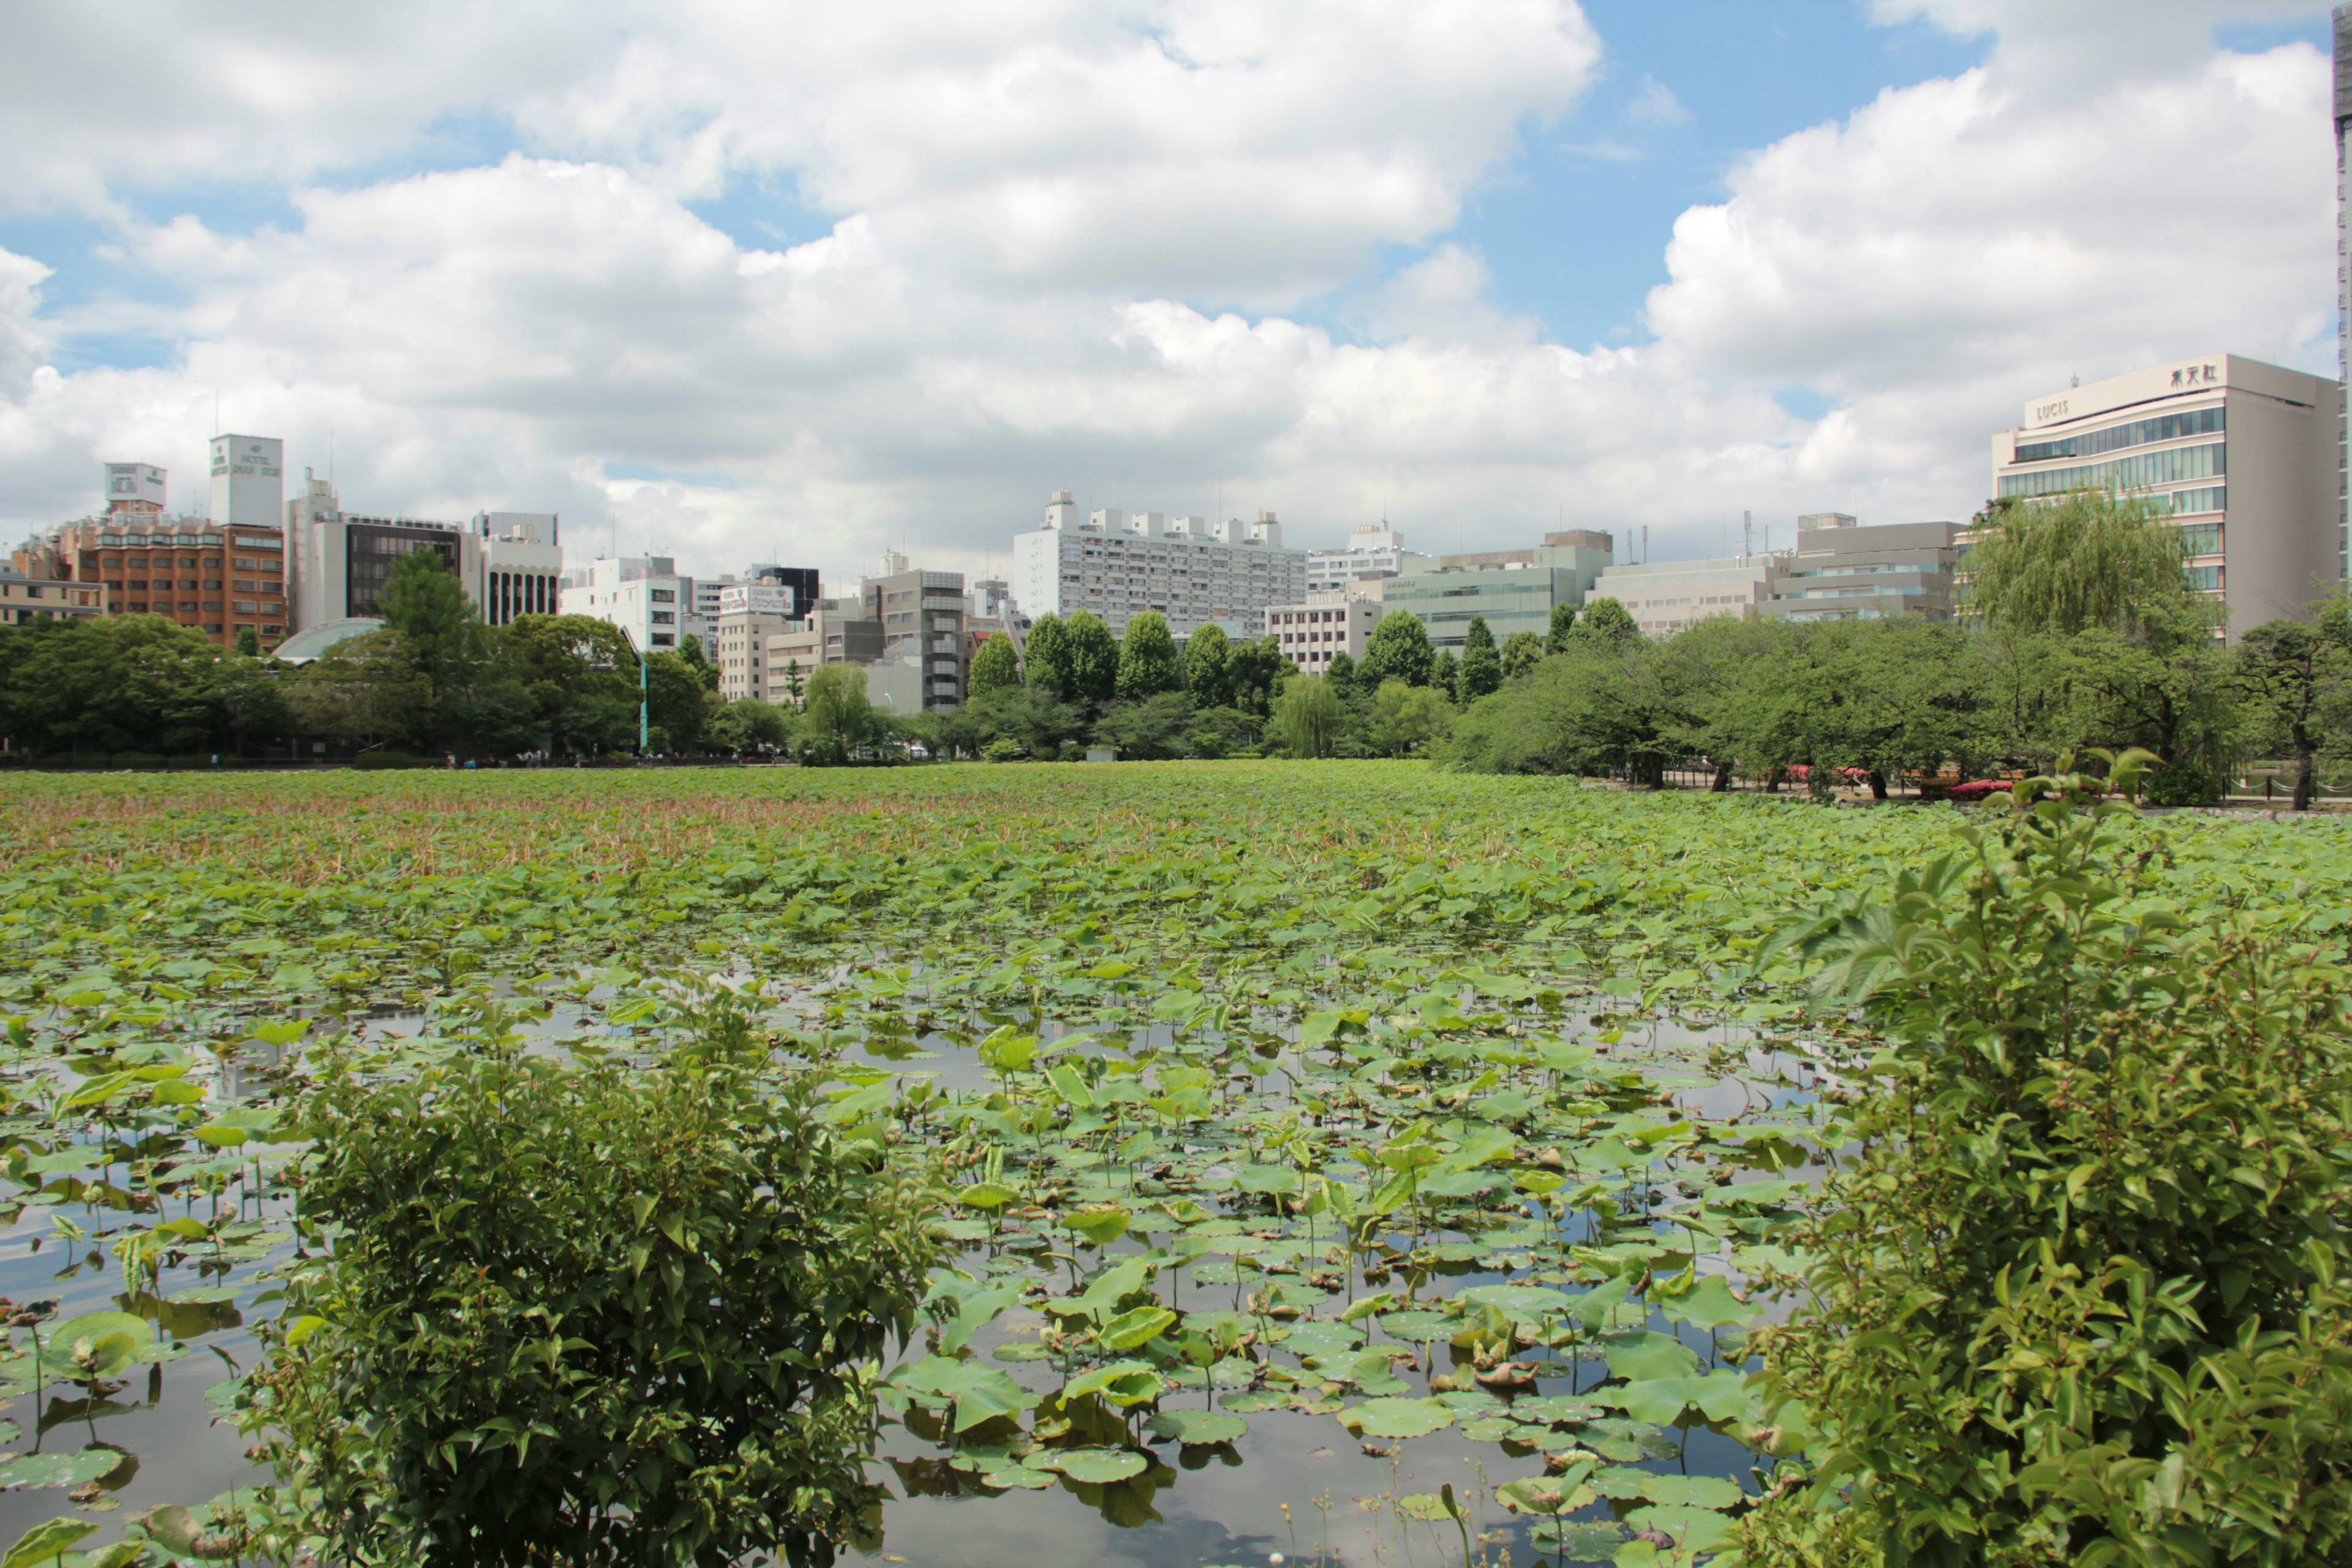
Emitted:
<point x="1374" y="551"/>
<point x="1119" y="564"/>
<point x="515" y="566"/>
<point x="1328" y="623"/>
<point x="645" y="595"/>
<point x="2239" y="456"/>
<point x="1665" y="597"/>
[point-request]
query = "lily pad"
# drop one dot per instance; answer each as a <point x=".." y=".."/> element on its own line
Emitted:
<point x="1199" y="1428"/>
<point x="1398" y="1417"/>
<point x="58" y="1469"/>
<point x="1101" y="1467"/>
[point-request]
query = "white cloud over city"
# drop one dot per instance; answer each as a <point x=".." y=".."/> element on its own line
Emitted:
<point x="1161" y="253"/>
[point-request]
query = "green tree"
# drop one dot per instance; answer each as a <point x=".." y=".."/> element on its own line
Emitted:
<point x="1308" y="716"/>
<point x="1398" y="650"/>
<point x="248" y="643"/>
<point x="440" y="633"/>
<point x="995" y="668"/>
<point x="2085" y="561"/>
<point x="675" y="695"/>
<point x="1221" y="731"/>
<point x="689" y="648"/>
<point x="1148" y="663"/>
<point x="1522" y="651"/>
<point x="578" y="678"/>
<point x="1147" y="729"/>
<point x="679" y="1285"/>
<point x="1445" y="675"/>
<point x="795" y="684"/>
<point x="1482" y="670"/>
<point x="2076" y="1288"/>
<point x="2296" y="678"/>
<point x="1606" y="622"/>
<point x="366" y="691"/>
<point x="1563" y="629"/>
<point x="1342" y="674"/>
<point x="839" y="717"/>
<point x="1253" y="673"/>
<point x="1206" y="652"/>
<point x="1030" y="717"/>
<point x="749" y="724"/>
<point x="116" y="683"/>
<point x="1047" y="656"/>
<point x="1408" y="718"/>
<point x="1091" y="668"/>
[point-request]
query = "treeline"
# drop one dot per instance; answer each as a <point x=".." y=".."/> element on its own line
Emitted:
<point x="1075" y="684"/>
<point x="2082" y="632"/>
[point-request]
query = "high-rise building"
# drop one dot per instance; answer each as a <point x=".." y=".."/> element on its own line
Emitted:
<point x="341" y="561"/>
<point x="1515" y="590"/>
<point x="2242" y="457"/>
<point x="218" y="579"/>
<point x="1374" y="551"/>
<point x="249" y="480"/>
<point x="1119" y="564"/>
<point x="922" y="619"/>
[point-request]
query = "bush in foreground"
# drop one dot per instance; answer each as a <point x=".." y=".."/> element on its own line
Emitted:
<point x="2079" y="1298"/>
<point x="584" y="1313"/>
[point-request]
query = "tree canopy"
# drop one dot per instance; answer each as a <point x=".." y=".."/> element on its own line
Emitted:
<point x="994" y="666"/>
<point x="1398" y="650"/>
<point x="1148" y="662"/>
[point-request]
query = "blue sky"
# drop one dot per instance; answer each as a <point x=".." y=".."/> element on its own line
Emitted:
<point x="1245" y="282"/>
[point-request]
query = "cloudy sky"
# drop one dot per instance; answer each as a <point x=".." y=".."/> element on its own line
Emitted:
<point x="734" y="279"/>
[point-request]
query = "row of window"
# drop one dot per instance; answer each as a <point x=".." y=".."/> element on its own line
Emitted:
<point x="2124" y="473"/>
<point x="2172" y="503"/>
<point x="2139" y="433"/>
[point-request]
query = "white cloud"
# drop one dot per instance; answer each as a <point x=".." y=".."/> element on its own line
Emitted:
<point x="1080" y="247"/>
<point x="1656" y="105"/>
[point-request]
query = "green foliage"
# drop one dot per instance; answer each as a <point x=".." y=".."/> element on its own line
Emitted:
<point x="2296" y="684"/>
<point x="1308" y="716"/>
<point x="995" y="668"/>
<point x="439" y="634"/>
<point x="1563" y="631"/>
<point x="1030" y="717"/>
<point x="675" y="693"/>
<point x="749" y="724"/>
<point x="2075" y="1298"/>
<point x="1522" y="651"/>
<point x="1606" y="623"/>
<point x="592" y="1315"/>
<point x="1254" y="674"/>
<point x="248" y="643"/>
<point x="1398" y="650"/>
<point x="1445" y="676"/>
<point x="2087" y="561"/>
<point x="1047" y="657"/>
<point x="1341" y="673"/>
<point x="1406" y="719"/>
<point x="1092" y="661"/>
<point x="1154" y="727"/>
<point x="839" y="717"/>
<point x="1148" y="662"/>
<point x="1206" y="653"/>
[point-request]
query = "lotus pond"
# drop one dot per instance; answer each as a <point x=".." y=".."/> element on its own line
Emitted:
<point x="1450" y="1124"/>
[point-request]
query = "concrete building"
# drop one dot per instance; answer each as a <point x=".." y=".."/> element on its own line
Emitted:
<point x="219" y="580"/>
<point x="1328" y="623"/>
<point x="23" y="600"/>
<point x="1119" y="564"/>
<point x="758" y="652"/>
<point x="249" y="486"/>
<point x="1515" y="590"/>
<point x="645" y="595"/>
<point x="341" y="561"/>
<point x="516" y="565"/>
<point x="1843" y="571"/>
<point x="922" y="619"/>
<point x="1665" y="596"/>
<point x="2242" y="457"/>
<point x="1375" y="550"/>
<point x="990" y="608"/>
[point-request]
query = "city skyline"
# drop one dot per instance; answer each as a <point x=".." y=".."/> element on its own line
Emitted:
<point x="1571" y="267"/>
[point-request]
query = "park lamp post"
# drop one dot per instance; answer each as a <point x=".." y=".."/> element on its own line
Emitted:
<point x="644" y="713"/>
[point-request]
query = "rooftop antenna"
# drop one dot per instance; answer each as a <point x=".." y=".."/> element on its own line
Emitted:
<point x="1645" y="544"/>
<point x="1746" y="534"/>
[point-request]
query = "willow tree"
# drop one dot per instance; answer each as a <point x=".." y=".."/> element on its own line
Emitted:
<point x="2085" y="562"/>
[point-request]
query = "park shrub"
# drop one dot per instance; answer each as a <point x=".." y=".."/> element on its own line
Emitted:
<point x="589" y="1313"/>
<point x="1005" y="748"/>
<point x="2077" y="1290"/>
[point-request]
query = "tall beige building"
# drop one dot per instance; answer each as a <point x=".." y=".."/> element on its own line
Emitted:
<point x="2239" y="456"/>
